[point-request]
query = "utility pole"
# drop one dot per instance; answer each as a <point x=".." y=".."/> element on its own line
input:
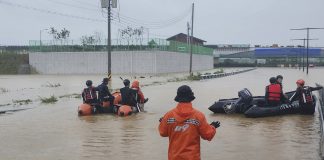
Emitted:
<point x="191" y="41"/>
<point x="307" y="50"/>
<point x="109" y="4"/>
<point x="188" y="38"/>
<point x="304" y="40"/>
<point x="109" y="41"/>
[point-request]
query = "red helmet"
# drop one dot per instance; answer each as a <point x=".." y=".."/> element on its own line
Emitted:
<point x="300" y="82"/>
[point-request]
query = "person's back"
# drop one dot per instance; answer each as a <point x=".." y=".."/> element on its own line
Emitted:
<point x="184" y="126"/>
<point x="128" y="95"/>
<point x="102" y="88"/>
<point x="105" y="96"/>
<point x="273" y="95"/>
<point x="89" y="94"/>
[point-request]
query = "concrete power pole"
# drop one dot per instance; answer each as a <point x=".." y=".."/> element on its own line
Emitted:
<point x="109" y="41"/>
<point x="191" y="41"/>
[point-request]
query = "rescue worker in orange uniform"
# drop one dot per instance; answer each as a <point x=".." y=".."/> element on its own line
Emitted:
<point x="304" y="96"/>
<point x="274" y="95"/>
<point x="140" y="95"/>
<point x="184" y="126"/>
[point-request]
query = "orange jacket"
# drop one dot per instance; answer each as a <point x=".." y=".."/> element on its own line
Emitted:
<point x="184" y="126"/>
<point x="135" y="85"/>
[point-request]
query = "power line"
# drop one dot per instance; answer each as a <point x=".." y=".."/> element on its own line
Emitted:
<point x="180" y="17"/>
<point x="130" y="19"/>
<point x="50" y="12"/>
<point x="122" y="23"/>
<point x="122" y="19"/>
<point x="86" y="3"/>
<point x="152" y="26"/>
<point x="70" y="5"/>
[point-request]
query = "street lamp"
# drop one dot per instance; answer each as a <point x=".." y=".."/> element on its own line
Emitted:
<point x="40" y="38"/>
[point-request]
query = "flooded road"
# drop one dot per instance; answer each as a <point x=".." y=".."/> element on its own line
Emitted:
<point x="54" y="131"/>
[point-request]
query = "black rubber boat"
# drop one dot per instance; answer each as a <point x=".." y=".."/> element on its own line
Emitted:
<point x="293" y="108"/>
<point x="241" y="104"/>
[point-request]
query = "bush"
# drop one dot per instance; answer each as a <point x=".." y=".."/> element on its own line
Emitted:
<point x="21" y="102"/>
<point x="51" y="99"/>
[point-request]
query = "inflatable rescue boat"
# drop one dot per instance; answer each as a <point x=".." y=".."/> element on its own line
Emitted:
<point x="117" y="108"/>
<point x="254" y="107"/>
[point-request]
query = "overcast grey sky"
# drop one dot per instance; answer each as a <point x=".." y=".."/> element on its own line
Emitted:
<point x="252" y="22"/>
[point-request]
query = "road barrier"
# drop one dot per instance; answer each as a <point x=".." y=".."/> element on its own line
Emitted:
<point x="321" y="112"/>
<point x="219" y="75"/>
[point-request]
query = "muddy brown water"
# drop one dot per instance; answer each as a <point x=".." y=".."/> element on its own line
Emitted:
<point x="54" y="131"/>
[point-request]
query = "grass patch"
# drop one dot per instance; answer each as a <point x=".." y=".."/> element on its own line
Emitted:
<point x="77" y="96"/>
<point x="194" y="77"/>
<point x="74" y="95"/>
<point x="219" y="71"/>
<point x="1" y="105"/>
<point x="177" y="79"/>
<point x="51" y="99"/>
<point x="21" y="102"/>
<point x="52" y="85"/>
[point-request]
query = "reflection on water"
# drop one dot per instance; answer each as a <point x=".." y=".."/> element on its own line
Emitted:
<point x="56" y="132"/>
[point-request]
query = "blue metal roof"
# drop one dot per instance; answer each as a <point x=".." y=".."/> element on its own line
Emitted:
<point x="290" y="52"/>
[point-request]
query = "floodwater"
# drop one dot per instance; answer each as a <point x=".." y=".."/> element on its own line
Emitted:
<point x="55" y="132"/>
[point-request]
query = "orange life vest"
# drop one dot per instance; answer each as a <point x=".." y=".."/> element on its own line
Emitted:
<point x="274" y="92"/>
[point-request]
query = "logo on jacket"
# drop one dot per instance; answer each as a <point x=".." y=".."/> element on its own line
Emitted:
<point x="181" y="128"/>
<point x="192" y="121"/>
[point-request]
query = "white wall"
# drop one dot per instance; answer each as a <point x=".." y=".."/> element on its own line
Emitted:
<point x="123" y="62"/>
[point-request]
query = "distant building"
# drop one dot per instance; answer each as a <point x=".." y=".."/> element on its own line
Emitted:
<point x="181" y="37"/>
<point x="273" y="56"/>
<point x="225" y="49"/>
